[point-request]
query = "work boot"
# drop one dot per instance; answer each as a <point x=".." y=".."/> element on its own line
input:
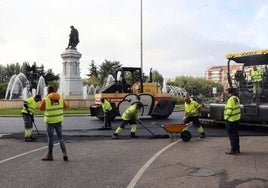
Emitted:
<point x="109" y="127"/>
<point x="231" y="152"/>
<point x="48" y="157"/>
<point x="30" y="139"/>
<point x="65" y="157"/>
<point x="132" y="135"/>
<point x="115" y="136"/>
<point x="27" y="139"/>
<point x="203" y="135"/>
<point x="106" y="127"/>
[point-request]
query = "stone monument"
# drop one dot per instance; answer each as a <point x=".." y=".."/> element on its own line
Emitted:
<point x="70" y="81"/>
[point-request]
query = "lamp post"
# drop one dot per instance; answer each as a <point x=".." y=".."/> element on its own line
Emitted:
<point x="141" y="46"/>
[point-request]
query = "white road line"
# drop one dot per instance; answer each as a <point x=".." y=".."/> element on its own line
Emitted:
<point x="26" y="153"/>
<point x="147" y="164"/>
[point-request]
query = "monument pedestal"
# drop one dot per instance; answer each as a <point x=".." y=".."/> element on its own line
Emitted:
<point x="70" y="81"/>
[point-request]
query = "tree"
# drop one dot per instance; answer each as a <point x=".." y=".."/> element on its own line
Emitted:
<point x="32" y="73"/>
<point x="50" y="76"/>
<point x="26" y="69"/>
<point x="93" y="70"/>
<point x="157" y="77"/>
<point x="107" y="68"/>
<point x="196" y="86"/>
<point x="12" y="69"/>
<point x="93" y="75"/>
<point x="2" y="74"/>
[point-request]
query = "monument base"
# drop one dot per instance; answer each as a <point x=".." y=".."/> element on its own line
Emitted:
<point x="70" y="80"/>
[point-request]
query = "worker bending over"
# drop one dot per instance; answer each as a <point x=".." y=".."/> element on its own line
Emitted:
<point x="191" y="114"/>
<point x="27" y="112"/>
<point x="130" y="116"/>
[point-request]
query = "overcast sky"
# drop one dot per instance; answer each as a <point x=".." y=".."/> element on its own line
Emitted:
<point x="179" y="37"/>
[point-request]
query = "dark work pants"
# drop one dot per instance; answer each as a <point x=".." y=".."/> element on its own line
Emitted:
<point x="107" y="119"/>
<point x="232" y="131"/>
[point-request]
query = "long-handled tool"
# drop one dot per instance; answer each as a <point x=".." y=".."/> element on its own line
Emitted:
<point x="146" y="128"/>
<point x="36" y="128"/>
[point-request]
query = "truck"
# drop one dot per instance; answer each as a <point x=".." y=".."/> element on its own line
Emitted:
<point x="254" y="107"/>
<point x="128" y="88"/>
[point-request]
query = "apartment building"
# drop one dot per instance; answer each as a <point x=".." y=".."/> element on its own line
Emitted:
<point x="218" y="74"/>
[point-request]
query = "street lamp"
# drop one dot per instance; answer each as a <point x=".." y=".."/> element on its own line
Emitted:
<point x="141" y="46"/>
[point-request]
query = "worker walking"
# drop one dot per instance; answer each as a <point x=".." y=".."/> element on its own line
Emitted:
<point x="191" y="114"/>
<point x="27" y="112"/>
<point x="53" y="105"/>
<point x="232" y="115"/>
<point x="130" y="116"/>
<point x="256" y="77"/>
<point x="107" y="109"/>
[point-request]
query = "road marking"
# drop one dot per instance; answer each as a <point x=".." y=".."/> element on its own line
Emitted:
<point x="26" y="153"/>
<point x="147" y="164"/>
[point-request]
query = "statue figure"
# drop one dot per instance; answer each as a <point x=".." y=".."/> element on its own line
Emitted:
<point x="74" y="38"/>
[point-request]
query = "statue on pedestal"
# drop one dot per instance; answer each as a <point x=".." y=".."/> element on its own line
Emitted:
<point x="73" y="38"/>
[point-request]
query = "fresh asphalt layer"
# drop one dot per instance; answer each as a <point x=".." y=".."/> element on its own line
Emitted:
<point x="96" y="160"/>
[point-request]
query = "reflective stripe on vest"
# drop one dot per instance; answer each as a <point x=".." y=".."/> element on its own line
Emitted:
<point x="32" y="105"/>
<point x="191" y="108"/>
<point x="53" y="112"/>
<point x="232" y="110"/>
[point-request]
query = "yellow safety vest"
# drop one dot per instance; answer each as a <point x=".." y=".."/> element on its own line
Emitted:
<point x="132" y="113"/>
<point x="106" y="106"/>
<point x="256" y="75"/>
<point x="32" y="105"/>
<point x="232" y="110"/>
<point x="191" y="108"/>
<point x="53" y="112"/>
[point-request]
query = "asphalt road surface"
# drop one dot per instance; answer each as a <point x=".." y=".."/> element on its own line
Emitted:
<point x="96" y="160"/>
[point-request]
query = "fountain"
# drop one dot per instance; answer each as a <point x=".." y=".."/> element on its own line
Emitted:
<point x="175" y="91"/>
<point x="41" y="87"/>
<point x="170" y="89"/>
<point x="88" y="91"/>
<point x="18" y="87"/>
<point x="110" y="80"/>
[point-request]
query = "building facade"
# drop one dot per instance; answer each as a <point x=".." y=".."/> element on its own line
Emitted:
<point x="218" y="74"/>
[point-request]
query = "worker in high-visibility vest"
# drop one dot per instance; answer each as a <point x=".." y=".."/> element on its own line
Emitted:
<point x="27" y="112"/>
<point x="256" y="77"/>
<point x="232" y="115"/>
<point x="107" y="109"/>
<point x="53" y="105"/>
<point x="130" y="116"/>
<point x="191" y="114"/>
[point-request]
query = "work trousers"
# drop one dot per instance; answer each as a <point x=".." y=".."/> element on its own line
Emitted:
<point x="107" y="119"/>
<point x="50" y="136"/>
<point x="232" y="131"/>
<point x="194" y="119"/>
